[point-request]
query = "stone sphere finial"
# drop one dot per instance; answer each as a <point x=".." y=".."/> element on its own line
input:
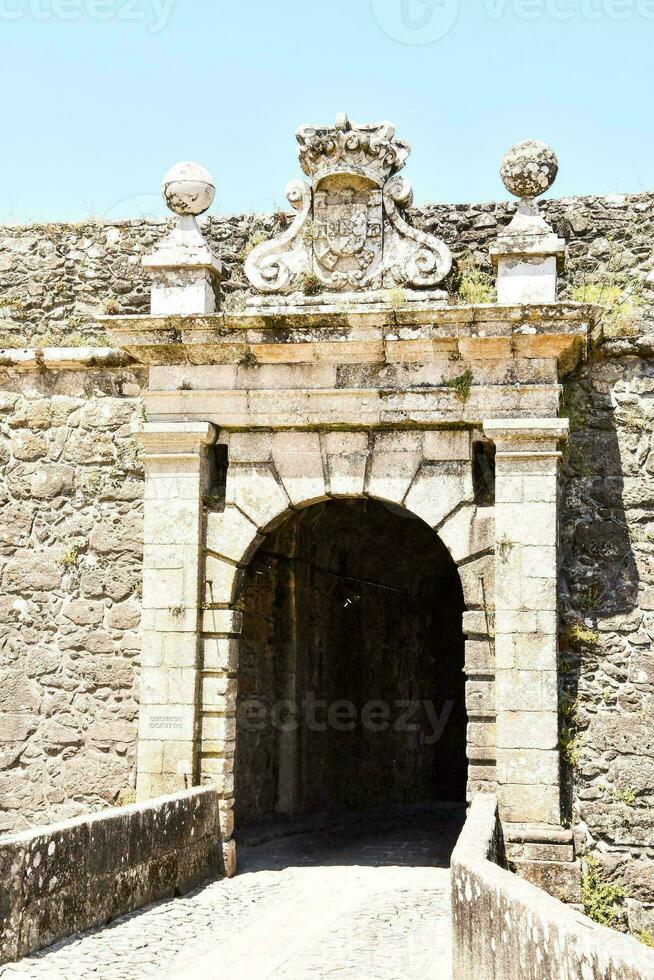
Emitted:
<point x="188" y="189"/>
<point x="529" y="169"/>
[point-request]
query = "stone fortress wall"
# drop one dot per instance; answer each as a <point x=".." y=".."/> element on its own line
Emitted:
<point x="71" y="520"/>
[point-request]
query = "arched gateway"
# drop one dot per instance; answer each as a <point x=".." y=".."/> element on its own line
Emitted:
<point x="341" y="397"/>
<point x="351" y="691"/>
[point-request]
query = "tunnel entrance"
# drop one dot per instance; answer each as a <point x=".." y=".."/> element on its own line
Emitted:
<point x="351" y="683"/>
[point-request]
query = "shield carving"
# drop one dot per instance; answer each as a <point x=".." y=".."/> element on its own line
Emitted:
<point x="347" y="232"/>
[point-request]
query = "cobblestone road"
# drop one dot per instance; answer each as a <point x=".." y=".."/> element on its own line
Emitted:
<point x="365" y="899"/>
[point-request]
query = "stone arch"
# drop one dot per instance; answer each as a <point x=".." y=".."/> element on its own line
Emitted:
<point x="274" y="475"/>
<point x="271" y="475"/>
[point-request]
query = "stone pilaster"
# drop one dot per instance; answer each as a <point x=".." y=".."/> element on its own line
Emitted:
<point x="526" y="533"/>
<point x="177" y="471"/>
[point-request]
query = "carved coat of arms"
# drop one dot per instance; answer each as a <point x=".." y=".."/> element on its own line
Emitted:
<point x="350" y="232"/>
<point x="347" y="232"/>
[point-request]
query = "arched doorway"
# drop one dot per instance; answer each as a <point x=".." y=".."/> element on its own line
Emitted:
<point x="351" y="683"/>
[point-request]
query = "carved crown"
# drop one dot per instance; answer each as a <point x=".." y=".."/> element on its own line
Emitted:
<point x="348" y="147"/>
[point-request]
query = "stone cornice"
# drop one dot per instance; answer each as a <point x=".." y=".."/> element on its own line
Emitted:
<point x="558" y="330"/>
<point x="63" y="358"/>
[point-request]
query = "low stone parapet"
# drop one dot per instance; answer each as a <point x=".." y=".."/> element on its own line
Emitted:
<point x="503" y="926"/>
<point x="79" y="874"/>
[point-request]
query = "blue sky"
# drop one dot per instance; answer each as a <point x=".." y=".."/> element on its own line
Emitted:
<point x="101" y="96"/>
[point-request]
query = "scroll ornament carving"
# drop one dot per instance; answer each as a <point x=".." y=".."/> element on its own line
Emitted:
<point x="350" y="232"/>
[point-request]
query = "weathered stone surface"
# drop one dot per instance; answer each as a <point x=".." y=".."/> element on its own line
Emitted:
<point x="31" y="572"/>
<point x="503" y="925"/>
<point x="60" y="667"/>
<point x="17" y="693"/>
<point x="608" y="577"/>
<point x="123" y="616"/>
<point x="71" y="876"/>
<point x="83" y="612"/>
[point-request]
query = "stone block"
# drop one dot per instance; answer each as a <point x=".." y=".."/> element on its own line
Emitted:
<point x="539" y="488"/>
<point x="179" y="650"/>
<point x="175" y="522"/>
<point x="535" y="804"/>
<point x="347" y="455"/>
<point x="178" y="757"/>
<point x="538" y="560"/>
<point x="170" y="485"/>
<point x="164" y="588"/>
<point x="231" y="535"/>
<point x="469" y="531"/>
<point x="257" y="493"/>
<point x="527" y="730"/>
<point x="534" y="524"/>
<point x="218" y="692"/>
<point x="250" y="447"/>
<point x="529" y="690"/>
<point x="165" y="721"/>
<point x="169" y="555"/>
<point x="476" y="622"/>
<point x="226" y="817"/>
<point x="539" y="593"/>
<point x="526" y="652"/>
<point x="174" y="619"/>
<point x="508" y="490"/>
<point x="222" y="580"/>
<point x="478" y="582"/>
<point x="149" y="758"/>
<point x="480" y="698"/>
<point x="440" y="444"/>
<point x="229" y="858"/>
<point x="299" y="463"/>
<point x="396" y="457"/>
<point x="483" y="735"/>
<point x="437" y="490"/>
<point x="509" y="621"/>
<point x="561" y="879"/>
<point x="223" y="621"/>
<point x="479" y="657"/>
<point x="218" y="730"/>
<point x="481" y="773"/>
<point x="561" y="853"/>
<point x="154" y="685"/>
<point x="528" y="766"/>
<point x="220" y="653"/>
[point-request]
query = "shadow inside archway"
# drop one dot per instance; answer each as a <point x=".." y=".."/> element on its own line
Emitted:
<point x="422" y="835"/>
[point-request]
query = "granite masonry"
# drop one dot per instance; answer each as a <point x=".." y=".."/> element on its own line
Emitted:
<point x="188" y="407"/>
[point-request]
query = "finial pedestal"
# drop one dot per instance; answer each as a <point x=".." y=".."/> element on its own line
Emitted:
<point x="186" y="274"/>
<point x="528" y="255"/>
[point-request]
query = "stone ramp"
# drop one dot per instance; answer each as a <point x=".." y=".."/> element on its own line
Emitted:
<point x="360" y="899"/>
